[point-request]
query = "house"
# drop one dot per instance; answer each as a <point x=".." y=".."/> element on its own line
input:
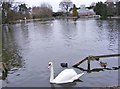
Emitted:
<point x="111" y="1"/>
<point x="83" y="11"/>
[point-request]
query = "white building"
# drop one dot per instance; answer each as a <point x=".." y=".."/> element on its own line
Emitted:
<point x="112" y="1"/>
<point x="93" y="4"/>
<point x="83" y="11"/>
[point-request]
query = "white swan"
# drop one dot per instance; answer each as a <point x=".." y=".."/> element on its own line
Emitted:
<point x="66" y="76"/>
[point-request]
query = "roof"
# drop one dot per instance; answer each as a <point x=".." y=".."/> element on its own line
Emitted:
<point x="112" y="1"/>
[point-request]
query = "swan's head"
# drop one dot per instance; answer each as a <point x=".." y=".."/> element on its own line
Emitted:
<point x="50" y="65"/>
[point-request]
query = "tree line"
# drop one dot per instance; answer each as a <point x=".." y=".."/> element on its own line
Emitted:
<point x="42" y="11"/>
<point x="106" y="10"/>
<point x="10" y="12"/>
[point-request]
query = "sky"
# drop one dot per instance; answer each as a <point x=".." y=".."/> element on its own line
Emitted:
<point x="55" y="3"/>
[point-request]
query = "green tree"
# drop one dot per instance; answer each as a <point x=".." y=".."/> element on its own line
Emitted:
<point x="74" y="11"/>
<point x="101" y="9"/>
<point x="110" y="9"/>
<point x="118" y="8"/>
<point x="5" y="12"/>
<point x="23" y="8"/>
<point x="10" y="14"/>
<point x="24" y="11"/>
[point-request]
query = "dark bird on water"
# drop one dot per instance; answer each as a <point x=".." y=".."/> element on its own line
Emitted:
<point x="103" y="64"/>
<point x="64" y="64"/>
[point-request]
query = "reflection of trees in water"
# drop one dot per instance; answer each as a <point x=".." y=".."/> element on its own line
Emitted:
<point x="118" y="27"/>
<point x="97" y="69"/>
<point x="43" y="29"/>
<point x="10" y="53"/>
<point x="68" y="31"/>
<point x="0" y="43"/>
<point x="100" y="30"/>
<point x="109" y="30"/>
<point x="24" y="29"/>
<point x="112" y="34"/>
<point x="19" y="34"/>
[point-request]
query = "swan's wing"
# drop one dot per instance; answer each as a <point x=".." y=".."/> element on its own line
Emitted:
<point x="77" y="76"/>
<point x="65" y="76"/>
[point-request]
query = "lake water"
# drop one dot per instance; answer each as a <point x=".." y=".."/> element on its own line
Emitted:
<point x="28" y="48"/>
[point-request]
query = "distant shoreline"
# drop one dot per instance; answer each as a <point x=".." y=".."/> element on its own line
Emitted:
<point x="53" y="18"/>
<point x="114" y="17"/>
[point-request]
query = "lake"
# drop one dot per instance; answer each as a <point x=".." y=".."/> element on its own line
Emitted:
<point x="28" y="47"/>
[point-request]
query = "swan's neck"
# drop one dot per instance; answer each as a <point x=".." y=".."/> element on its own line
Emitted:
<point x="51" y="74"/>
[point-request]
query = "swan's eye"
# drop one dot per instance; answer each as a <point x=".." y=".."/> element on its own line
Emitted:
<point x="49" y="64"/>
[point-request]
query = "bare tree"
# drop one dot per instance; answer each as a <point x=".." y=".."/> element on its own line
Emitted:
<point x="65" y="5"/>
<point x="44" y="10"/>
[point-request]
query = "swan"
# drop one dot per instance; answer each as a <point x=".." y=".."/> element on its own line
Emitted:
<point x="66" y="76"/>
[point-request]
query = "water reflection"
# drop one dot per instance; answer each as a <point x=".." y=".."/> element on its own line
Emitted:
<point x="24" y="32"/>
<point x="68" y="31"/>
<point x="46" y="31"/>
<point x="108" y="30"/>
<point x="52" y="86"/>
<point x="98" y="69"/>
<point x="0" y="43"/>
<point x="68" y="84"/>
<point x="58" y="41"/>
<point x="112" y="35"/>
<point x="63" y="86"/>
<point x="21" y="35"/>
<point x="43" y="30"/>
<point x="101" y="28"/>
<point x="10" y="53"/>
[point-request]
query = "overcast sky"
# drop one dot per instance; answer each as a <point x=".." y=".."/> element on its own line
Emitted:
<point x="55" y="3"/>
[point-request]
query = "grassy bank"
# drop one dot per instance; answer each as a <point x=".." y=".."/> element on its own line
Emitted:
<point x="30" y="20"/>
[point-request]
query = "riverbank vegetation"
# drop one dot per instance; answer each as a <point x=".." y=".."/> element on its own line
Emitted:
<point x="42" y="11"/>
<point x="10" y="13"/>
<point x="17" y="12"/>
<point x="107" y="9"/>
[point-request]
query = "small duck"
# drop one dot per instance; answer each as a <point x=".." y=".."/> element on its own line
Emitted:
<point x="103" y="64"/>
<point x="64" y="64"/>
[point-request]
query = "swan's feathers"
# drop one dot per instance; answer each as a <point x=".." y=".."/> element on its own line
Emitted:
<point x="67" y="75"/>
